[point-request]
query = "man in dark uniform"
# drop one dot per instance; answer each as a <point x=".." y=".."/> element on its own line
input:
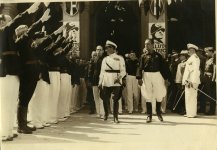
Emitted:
<point x="30" y="74"/>
<point x="209" y="85"/>
<point x="10" y="69"/>
<point x="152" y="74"/>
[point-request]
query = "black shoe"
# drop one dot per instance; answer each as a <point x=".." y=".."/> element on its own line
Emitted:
<point x="7" y="139"/>
<point x="116" y="120"/>
<point x="160" y="117"/>
<point x="149" y="119"/>
<point x="105" y="118"/>
<point x="24" y="130"/>
<point x="15" y="135"/>
<point x="32" y="128"/>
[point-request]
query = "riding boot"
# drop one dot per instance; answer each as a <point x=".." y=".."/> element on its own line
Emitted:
<point x="158" y="109"/>
<point x="149" y="112"/>
<point x="115" y="111"/>
<point x="22" y="121"/>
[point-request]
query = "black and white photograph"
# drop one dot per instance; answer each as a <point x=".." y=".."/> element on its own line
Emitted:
<point x="111" y="75"/>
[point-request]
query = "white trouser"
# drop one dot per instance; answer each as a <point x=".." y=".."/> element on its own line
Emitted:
<point x="9" y="87"/>
<point x="64" y="93"/>
<point x="191" y="101"/>
<point x="98" y="101"/>
<point x="82" y="94"/>
<point x="124" y="96"/>
<point x="39" y="103"/>
<point x="68" y="102"/>
<point x="132" y="93"/>
<point x="54" y="91"/>
<point x="153" y="87"/>
<point x="74" y="98"/>
<point x="120" y="104"/>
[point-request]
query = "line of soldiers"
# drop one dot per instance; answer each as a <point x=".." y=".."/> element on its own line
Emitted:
<point x="39" y="74"/>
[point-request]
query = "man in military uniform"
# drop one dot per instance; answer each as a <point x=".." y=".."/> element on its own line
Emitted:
<point x="209" y="85"/>
<point x="112" y="71"/>
<point x="30" y="72"/>
<point x="191" y="80"/>
<point x="152" y="73"/>
<point x="132" y="83"/>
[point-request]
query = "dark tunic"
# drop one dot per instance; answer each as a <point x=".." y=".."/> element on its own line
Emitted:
<point x="131" y="66"/>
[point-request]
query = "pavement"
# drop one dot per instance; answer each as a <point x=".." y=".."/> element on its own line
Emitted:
<point x="84" y="131"/>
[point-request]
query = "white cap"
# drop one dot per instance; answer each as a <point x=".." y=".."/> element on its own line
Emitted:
<point x="110" y="43"/>
<point x="183" y="52"/>
<point x="192" y="46"/>
<point x="208" y="49"/>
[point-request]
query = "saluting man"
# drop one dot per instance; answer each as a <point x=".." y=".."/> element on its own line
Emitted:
<point x="152" y="73"/>
<point x="191" y="80"/>
<point x="112" y="71"/>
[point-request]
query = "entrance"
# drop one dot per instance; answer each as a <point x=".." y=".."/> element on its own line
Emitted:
<point x="118" y="22"/>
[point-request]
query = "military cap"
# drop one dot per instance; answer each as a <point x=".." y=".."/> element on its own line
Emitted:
<point x="192" y="46"/>
<point x="110" y="43"/>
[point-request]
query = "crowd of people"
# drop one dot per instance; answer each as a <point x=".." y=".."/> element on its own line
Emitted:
<point x="43" y="81"/>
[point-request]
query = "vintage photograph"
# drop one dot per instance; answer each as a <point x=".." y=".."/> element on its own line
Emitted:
<point x="111" y="75"/>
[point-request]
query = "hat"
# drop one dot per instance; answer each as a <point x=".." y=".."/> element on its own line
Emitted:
<point x="156" y="27"/>
<point x="184" y="52"/>
<point x="110" y="43"/>
<point x="192" y="46"/>
<point x="209" y="49"/>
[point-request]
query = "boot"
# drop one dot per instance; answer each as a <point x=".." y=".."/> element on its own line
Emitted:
<point x="115" y="112"/>
<point x="149" y="112"/>
<point x="158" y="109"/>
<point x="22" y="121"/>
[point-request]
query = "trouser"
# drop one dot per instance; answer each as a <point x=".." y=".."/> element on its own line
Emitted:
<point x="9" y="87"/>
<point x="98" y="101"/>
<point x="132" y="93"/>
<point x="54" y="90"/>
<point x="191" y="101"/>
<point x="90" y="99"/>
<point x="120" y="110"/>
<point x="82" y="93"/>
<point x="180" y="108"/>
<point x="107" y="91"/>
<point x="65" y="85"/>
<point x="28" y="82"/>
<point x="38" y="104"/>
<point x="74" y="98"/>
<point x="124" y="98"/>
<point x="209" y="88"/>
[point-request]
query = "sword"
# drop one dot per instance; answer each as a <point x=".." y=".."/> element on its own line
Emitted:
<point x="202" y="92"/>
<point x="179" y="99"/>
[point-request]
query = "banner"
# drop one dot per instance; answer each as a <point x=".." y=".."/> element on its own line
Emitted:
<point x="157" y="34"/>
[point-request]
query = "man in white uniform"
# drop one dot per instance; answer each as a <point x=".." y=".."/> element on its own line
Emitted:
<point x="191" y="80"/>
<point x="112" y="71"/>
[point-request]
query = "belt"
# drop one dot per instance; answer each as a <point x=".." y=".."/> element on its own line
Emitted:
<point x="9" y="53"/>
<point x="31" y="62"/>
<point x="54" y="69"/>
<point x="112" y="71"/>
<point x="208" y="73"/>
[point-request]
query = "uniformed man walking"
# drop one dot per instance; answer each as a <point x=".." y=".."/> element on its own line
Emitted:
<point x="152" y="73"/>
<point x="112" y="71"/>
<point x="191" y="80"/>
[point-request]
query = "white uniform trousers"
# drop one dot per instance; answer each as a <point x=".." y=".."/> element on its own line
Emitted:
<point x="39" y="103"/>
<point x="132" y="93"/>
<point x="120" y="110"/>
<point x="54" y="91"/>
<point x="9" y="87"/>
<point x="68" y="102"/>
<point x="82" y="93"/>
<point x="74" y="98"/>
<point x="64" y="94"/>
<point x="124" y="96"/>
<point x="191" y="101"/>
<point x="153" y="87"/>
<point x="98" y="101"/>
